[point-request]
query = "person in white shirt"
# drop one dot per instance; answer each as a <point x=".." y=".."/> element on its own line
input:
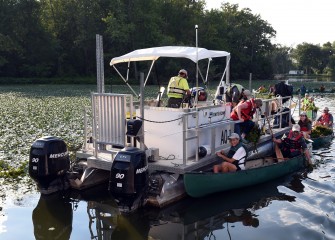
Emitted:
<point x="234" y="160"/>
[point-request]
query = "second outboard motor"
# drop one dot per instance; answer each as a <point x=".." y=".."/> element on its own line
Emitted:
<point x="48" y="162"/>
<point x="129" y="177"/>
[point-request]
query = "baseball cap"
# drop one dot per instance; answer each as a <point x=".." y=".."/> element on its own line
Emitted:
<point x="183" y="71"/>
<point x="234" y="135"/>
<point x="296" y="127"/>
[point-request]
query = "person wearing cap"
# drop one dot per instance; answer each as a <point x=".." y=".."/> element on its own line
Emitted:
<point x="234" y="160"/>
<point x="235" y="93"/>
<point x="178" y="89"/>
<point x="293" y="144"/>
<point x="244" y="112"/>
<point x="326" y="119"/>
<point x="305" y="125"/>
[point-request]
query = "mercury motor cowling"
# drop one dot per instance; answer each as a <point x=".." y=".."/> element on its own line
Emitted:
<point x="48" y="163"/>
<point x="129" y="178"/>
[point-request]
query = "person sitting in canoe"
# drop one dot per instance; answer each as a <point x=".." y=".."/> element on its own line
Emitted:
<point x="244" y="112"/>
<point x="326" y="119"/>
<point x="305" y="125"/>
<point x="234" y="160"/>
<point x="293" y="144"/>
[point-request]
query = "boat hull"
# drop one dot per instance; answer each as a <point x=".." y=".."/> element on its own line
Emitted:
<point x="199" y="184"/>
<point x="321" y="141"/>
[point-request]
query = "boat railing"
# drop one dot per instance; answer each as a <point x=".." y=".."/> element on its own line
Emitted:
<point x="281" y="106"/>
<point x="87" y="128"/>
<point x="109" y="114"/>
<point x="188" y="130"/>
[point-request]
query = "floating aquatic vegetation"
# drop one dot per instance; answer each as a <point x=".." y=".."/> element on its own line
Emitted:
<point x="318" y="131"/>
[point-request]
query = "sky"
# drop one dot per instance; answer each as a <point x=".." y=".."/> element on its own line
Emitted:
<point x="295" y="21"/>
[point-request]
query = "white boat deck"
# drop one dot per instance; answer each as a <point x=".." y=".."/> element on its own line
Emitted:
<point x="104" y="160"/>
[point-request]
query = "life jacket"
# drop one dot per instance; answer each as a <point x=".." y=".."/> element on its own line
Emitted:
<point x="239" y="87"/>
<point x="246" y="113"/>
<point x="325" y="118"/>
<point x="293" y="144"/>
<point x="233" y="150"/>
<point x="303" y="126"/>
<point x="176" y="88"/>
<point x="305" y="101"/>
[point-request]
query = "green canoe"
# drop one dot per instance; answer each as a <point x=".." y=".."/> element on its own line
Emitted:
<point x="322" y="141"/>
<point x="199" y="184"/>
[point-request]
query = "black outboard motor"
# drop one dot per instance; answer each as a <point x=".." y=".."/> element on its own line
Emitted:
<point x="48" y="163"/>
<point x="129" y="177"/>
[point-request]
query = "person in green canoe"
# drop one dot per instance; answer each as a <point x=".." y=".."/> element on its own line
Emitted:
<point x="293" y="144"/>
<point x="234" y="160"/>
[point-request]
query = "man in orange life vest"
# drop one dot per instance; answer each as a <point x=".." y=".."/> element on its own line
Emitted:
<point x="293" y="143"/>
<point x="325" y="119"/>
<point x="244" y="112"/>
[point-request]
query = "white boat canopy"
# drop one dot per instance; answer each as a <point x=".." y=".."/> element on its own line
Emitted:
<point x="153" y="54"/>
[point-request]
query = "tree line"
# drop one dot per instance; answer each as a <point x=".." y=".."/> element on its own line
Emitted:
<point x="56" y="38"/>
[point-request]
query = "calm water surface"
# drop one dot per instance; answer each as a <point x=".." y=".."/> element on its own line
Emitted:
<point x="300" y="206"/>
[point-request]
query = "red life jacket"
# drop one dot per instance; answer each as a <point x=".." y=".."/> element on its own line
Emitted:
<point x="293" y="143"/>
<point x="325" y="118"/>
<point x="246" y="113"/>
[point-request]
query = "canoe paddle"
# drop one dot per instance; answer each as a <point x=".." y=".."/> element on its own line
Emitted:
<point x="279" y="154"/>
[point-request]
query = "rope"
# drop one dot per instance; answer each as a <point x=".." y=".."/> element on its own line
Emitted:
<point x="159" y="121"/>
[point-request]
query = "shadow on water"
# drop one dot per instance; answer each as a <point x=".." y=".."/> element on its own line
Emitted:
<point x="190" y="218"/>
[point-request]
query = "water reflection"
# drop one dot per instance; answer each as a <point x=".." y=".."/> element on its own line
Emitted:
<point x="188" y="219"/>
<point x="52" y="218"/>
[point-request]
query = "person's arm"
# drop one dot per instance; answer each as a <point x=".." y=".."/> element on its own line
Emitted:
<point x="240" y="153"/>
<point x="224" y="157"/>
<point x="280" y="140"/>
<point x="238" y="110"/>
<point x="185" y="86"/>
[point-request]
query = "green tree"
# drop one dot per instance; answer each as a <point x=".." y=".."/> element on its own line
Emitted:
<point x="245" y="35"/>
<point x="280" y="59"/>
<point x="308" y="56"/>
<point x="25" y="45"/>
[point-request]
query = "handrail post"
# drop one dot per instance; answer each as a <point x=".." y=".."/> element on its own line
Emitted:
<point x="184" y="119"/>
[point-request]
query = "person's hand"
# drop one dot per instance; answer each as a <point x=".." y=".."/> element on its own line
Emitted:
<point x="220" y="154"/>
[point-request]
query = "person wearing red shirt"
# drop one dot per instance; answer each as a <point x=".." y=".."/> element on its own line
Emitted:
<point x="244" y="112"/>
